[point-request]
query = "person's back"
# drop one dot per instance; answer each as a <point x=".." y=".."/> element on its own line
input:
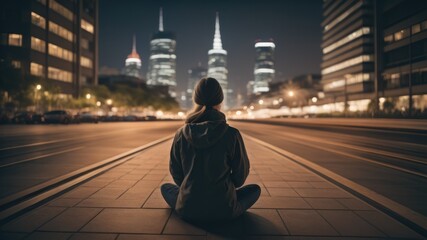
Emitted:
<point x="208" y="162"/>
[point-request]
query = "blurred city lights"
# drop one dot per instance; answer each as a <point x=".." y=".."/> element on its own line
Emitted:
<point x="88" y="96"/>
<point x="261" y="102"/>
<point x="314" y="99"/>
<point x="109" y="101"/>
<point x="291" y="93"/>
<point x="98" y="103"/>
<point x="38" y="87"/>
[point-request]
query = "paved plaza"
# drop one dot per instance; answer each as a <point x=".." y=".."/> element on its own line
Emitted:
<point x="125" y="203"/>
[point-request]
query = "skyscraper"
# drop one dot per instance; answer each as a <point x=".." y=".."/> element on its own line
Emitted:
<point x="194" y="75"/>
<point x="161" y="68"/>
<point x="217" y="65"/>
<point x="133" y="63"/>
<point x="53" y="40"/>
<point x="264" y="66"/>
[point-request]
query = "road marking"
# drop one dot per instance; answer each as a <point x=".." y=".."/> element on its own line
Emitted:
<point x="38" y="157"/>
<point x="417" y="219"/>
<point x="357" y="157"/>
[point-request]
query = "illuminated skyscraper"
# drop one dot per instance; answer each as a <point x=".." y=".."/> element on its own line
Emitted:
<point x="194" y="75"/>
<point x="264" y="66"/>
<point x="161" y="68"/>
<point x="133" y="63"/>
<point x="217" y="65"/>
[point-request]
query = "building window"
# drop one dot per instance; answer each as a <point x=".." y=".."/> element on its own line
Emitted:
<point x="38" y="44"/>
<point x="38" y="20"/>
<point x="36" y="69"/>
<point x="424" y="25"/>
<point x="87" y="26"/>
<point x="61" y="75"/>
<point x="84" y="43"/>
<point x="60" y="52"/>
<point x="15" y="39"/>
<point x="348" y="38"/>
<point x="61" y="31"/>
<point x="404" y="33"/>
<point x="15" y="63"/>
<point x="416" y="28"/>
<point x="61" y="10"/>
<point x="86" y="62"/>
<point x="347" y="63"/>
<point x="388" y="38"/>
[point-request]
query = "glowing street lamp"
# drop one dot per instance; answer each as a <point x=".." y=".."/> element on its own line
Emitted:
<point x="291" y="93"/>
<point x="261" y="102"/>
<point x="98" y="103"/>
<point x="314" y="99"/>
<point x="109" y="102"/>
<point x="38" y="87"/>
<point x="88" y="96"/>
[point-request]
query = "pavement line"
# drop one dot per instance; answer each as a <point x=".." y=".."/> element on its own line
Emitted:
<point x="415" y="219"/>
<point x="11" y="206"/>
<point x="41" y="156"/>
<point x="358" y="157"/>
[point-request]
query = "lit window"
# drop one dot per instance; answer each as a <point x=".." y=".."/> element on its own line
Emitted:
<point x="36" y="69"/>
<point x="87" y="26"/>
<point x="347" y="63"/>
<point x="404" y="33"/>
<point x="84" y="43"/>
<point x="86" y="62"/>
<point x="343" y="16"/>
<point x="388" y="38"/>
<point x="38" y="20"/>
<point x="416" y="28"/>
<point x="348" y="38"/>
<point x="38" y="44"/>
<point x="61" y="10"/>
<point x="15" y="39"/>
<point x="61" y="31"/>
<point x="16" y="63"/>
<point x="58" y="74"/>
<point x="60" y="52"/>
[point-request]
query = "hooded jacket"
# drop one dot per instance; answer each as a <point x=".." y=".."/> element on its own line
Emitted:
<point x="208" y="161"/>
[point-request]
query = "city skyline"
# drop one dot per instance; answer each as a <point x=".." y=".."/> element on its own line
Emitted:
<point x="194" y="37"/>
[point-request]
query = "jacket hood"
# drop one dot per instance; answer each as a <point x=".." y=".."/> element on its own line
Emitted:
<point x="208" y="131"/>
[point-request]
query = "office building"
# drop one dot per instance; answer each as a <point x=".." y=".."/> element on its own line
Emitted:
<point x="194" y="75"/>
<point x="133" y="63"/>
<point x="264" y="66"/>
<point x="53" y="40"/>
<point x="162" y="64"/>
<point x="374" y="55"/>
<point x="217" y="64"/>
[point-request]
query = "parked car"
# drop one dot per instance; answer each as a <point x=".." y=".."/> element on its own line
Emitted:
<point x="27" y="117"/>
<point x="150" y="118"/>
<point x="88" y="117"/>
<point x="58" y="116"/>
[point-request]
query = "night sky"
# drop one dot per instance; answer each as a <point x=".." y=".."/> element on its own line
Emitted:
<point x="293" y="25"/>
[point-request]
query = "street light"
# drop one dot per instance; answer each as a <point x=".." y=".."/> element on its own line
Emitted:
<point x="291" y="93"/>
<point x="38" y="87"/>
<point x="314" y="99"/>
<point x="36" y="102"/>
<point x="88" y="96"/>
<point x="109" y="102"/>
<point x="261" y="102"/>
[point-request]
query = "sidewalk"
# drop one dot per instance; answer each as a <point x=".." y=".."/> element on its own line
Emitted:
<point x="125" y="203"/>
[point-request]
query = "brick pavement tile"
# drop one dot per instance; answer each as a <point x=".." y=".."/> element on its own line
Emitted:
<point x="322" y="185"/>
<point x="129" y="221"/>
<point x="281" y="203"/>
<point x="81" y="192"/>
<point x="355" y="204"/>
<point x="155" y="202"/>
<point x="136" y="194"/>
<point x="175" y="225"/>
<point x="158" y="237"/>
<point x="109" y="192"/>
<point x="93" y="236"/>
<point x="274" y="184"/>
<point x="306" y="223"/>
<point x="147" y="184"/>
<point x="282" y="192"/>
<point x="132" y="177"/>
<point x="100" y="183"/>
<point x="64" y="202"/>
<point x="48" y="236"/>
<point x="270" y="177"/>
<point x="138" y="172"/>
<point x="32" y="220"/>
<point x="123" y="183"/>
<point x="323" y="193"/>
<point x="324" y="203"/>
<point x="111" y="203"/>
<point x="154" y="177"/>
<point x="347" y="223"/>
<point x="389" y="226"/>
<point x="263" y="222"/>
<point x="71" y="220"/>
<point x="12" y="235"/>
<point x="300" y="184"/>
